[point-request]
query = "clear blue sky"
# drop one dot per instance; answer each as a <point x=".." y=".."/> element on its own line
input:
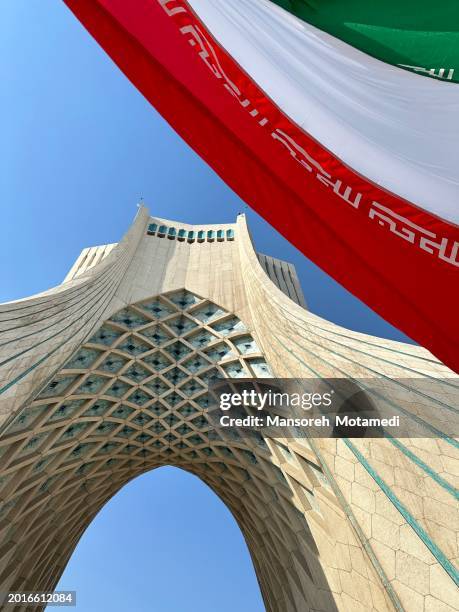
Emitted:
<point x="79" y="147"/>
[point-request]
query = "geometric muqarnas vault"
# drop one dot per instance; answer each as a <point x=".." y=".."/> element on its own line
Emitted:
<point x="105" y="377"/>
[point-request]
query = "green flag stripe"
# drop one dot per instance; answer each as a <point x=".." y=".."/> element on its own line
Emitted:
<point x="418" y="35"/>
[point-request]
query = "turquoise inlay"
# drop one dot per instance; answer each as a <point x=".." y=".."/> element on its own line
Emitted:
<point x="312" y="324"/>
<point x="260" y="367"/>
<point x="156" y="308"/>
<point x="173" y="398"/>
<point x="348" y="511"/>
<point x="361" y="341"/>
<point x="200" y="422"/>
<point x="105" y="427"/>
<point x="158" y="386"/>
<point x="141" y="419"/>
<point x="440" y="434"/>
<point x="83" y="300"/>
<point x="190" y="235"/>
<point x="58" y="385"/>
<point x="436" y="401"/>
<point x="196" y="364"/>
<point x="183" y="299"/>
<point x="122" y="412"/>
<point x="410" y="415"/>
<point x="45" y="357"/>
<point x="209" y="375"/>
<point x="105" y="335"/>
<point x="74" y="429"/>
<point x="171" y="420"/>
<point x="133" y="346"/>
<point x="234" y="370"/>
<point x="23" y="420"/>
<point x="118" y="389"/>
<point x="419" y="462"/>
<point x="201" y="339"/>
<point x="143" y="437"/>
<point x="82" y="449"/>
<point x="187" y="410"/>
<point x="219" y="352"/>
<point x="99" y="408"/>
<point x="157" y="361"/>
<point x="229" y="326"/>
<point x="130" y="318"/>
<point x="26" y="350"/>
<point x="246" y="344"/>
<point x="113" y="363"/>
<point x="191" y="388"/>
<point x="139" y="397"/>
<point x="175" y="376"/>
<point x="195" y="440"/>
<point x="207" y="312"/>
<point x="183" y="429"/>
<point x="92" y="384"/>
<point x="177" y="350"/>
<point x="443" y="381"/>
<point x="83" y="359"/>
<point x="158" y="409"/>
<point x="181" y="325"/>
<point x="109" y="446"/>
<point x="157" y="427"/>
<point x="137" y="373"/>
<point x="32" y="367"/>
<point x="68" y="294"/>
<point x="157" y="335"/>
<point x="438" y="554"/>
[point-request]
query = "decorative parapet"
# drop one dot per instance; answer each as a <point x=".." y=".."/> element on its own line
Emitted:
<point x="188" y="235"/>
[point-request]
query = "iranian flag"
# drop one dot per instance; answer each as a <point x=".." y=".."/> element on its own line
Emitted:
<point x="351" y="156"/>
<point x="418" y="35"/>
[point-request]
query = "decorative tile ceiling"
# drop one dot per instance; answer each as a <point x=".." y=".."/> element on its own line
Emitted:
<point x="148" y="366"/>
<point x="135" y="397"/>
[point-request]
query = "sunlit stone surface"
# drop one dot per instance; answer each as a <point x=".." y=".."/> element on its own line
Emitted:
<point x="105" y="377"/>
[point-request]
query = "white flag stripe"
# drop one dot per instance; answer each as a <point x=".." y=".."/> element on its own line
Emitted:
<point x="396" y="128"/>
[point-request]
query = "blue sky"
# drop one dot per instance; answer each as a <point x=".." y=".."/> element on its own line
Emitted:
<point x="79" y="148"/>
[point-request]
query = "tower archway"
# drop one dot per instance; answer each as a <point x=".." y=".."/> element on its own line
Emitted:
<point x="134" y="398"/>
<point x="101" y="382"/>
<point x="165" y="542"/>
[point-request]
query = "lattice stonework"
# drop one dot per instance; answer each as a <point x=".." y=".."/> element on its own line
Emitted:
<point x="133" y="398"/>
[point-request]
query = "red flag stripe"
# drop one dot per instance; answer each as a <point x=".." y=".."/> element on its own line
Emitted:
<point x="399" y="259"/>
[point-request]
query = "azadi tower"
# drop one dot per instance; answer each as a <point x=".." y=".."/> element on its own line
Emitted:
<point x="104" y="377"/>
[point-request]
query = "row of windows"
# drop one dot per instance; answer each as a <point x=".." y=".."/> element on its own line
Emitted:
<point x="190" y="235"/>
